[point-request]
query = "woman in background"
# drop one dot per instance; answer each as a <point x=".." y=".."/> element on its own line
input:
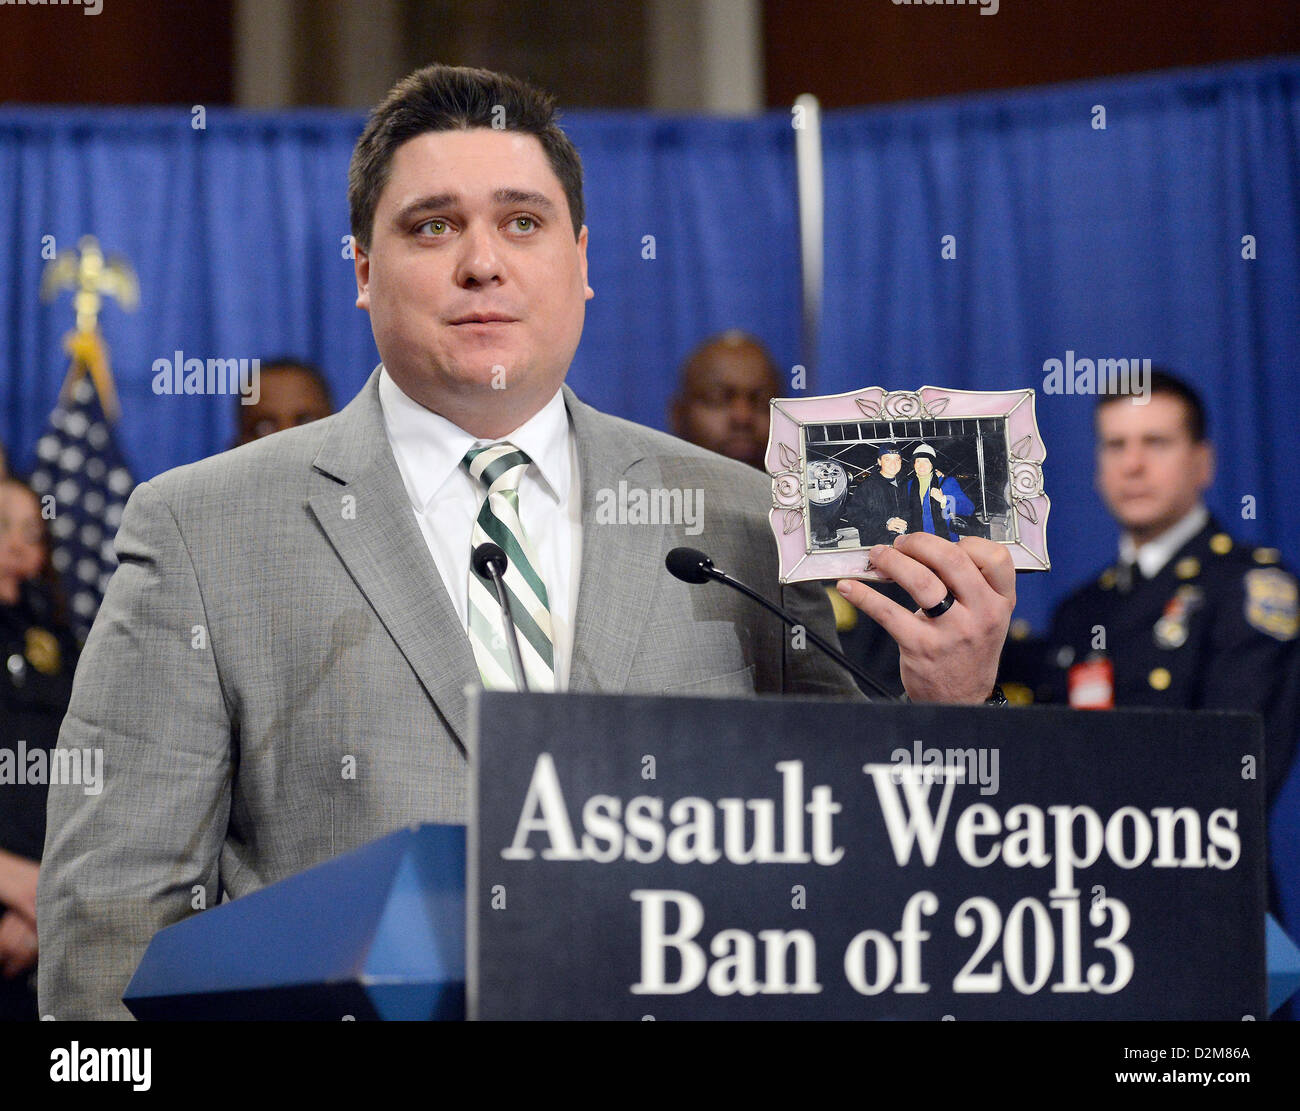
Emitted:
<point x="37" y="657"/>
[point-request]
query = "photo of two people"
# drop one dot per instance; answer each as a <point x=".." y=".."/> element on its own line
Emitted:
<point x="867" y="485"/>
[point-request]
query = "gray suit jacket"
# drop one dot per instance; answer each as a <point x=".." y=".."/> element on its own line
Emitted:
<point x="277" y="674"/>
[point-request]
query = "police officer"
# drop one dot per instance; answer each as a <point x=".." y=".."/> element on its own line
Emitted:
<point x="1187" y="618"/>
<point x="37" y="657"/>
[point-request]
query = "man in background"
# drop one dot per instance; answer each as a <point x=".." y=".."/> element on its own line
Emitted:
<point x="292" y="393"/>
<point x="1186" y="617"/>
<point x="723" y="398"/>
<point x="877" y="507"/>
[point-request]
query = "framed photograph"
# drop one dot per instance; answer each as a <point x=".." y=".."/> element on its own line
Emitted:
<point x="861" y="468"/>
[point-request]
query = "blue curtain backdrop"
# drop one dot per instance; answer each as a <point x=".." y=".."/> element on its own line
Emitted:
<point x="238" y="234"/>
<point x="1122" y="242"/>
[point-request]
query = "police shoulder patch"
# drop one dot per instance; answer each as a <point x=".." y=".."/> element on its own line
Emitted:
<point x="1272" y="603"/>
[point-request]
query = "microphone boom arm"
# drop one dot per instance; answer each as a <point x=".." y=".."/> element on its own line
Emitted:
<point x="821" y="642"/>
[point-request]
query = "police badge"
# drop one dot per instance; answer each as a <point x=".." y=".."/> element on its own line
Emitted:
<point x="1271" y="603"/>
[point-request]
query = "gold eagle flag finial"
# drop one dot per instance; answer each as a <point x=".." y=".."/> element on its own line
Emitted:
<point x="92" y="278"/>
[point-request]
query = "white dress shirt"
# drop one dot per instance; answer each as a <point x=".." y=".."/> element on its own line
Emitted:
<point x="1154" y="554"/>
<point x="446" y="500"/>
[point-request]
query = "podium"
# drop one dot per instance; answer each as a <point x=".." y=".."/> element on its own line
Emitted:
<point x="630" y="857"/>
<point x="375" y="933"/>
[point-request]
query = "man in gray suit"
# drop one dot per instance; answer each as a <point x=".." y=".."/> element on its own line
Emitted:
<point x="278" y="671"/>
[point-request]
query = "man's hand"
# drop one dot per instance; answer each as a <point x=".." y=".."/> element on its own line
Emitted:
<point x="937" y="494"/>
<point x="953" y="657"/>
<point x="17" y="944"/>
<point x="896" y="524"/>
<point x="18" y="877"/>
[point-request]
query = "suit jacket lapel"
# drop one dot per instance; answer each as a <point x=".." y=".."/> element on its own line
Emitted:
<point x="618" y="582"/>
<point x="369" y="520"/>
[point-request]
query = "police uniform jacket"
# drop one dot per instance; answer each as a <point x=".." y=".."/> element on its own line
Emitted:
<point x="37" y="656"/>
<point x="1214" y="629"/>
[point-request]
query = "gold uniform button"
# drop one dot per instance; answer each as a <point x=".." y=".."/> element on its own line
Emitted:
<point x="42" y="651"/>
<point x="1017" y="694"/>
<point x="1187" y="568"/>
<point x="1107" y="580"/>
<point x="1160" y="679"/>
<point x="846" y="614"/>
<point x="1220" y="543"/>
<point x="1267" y="556"/>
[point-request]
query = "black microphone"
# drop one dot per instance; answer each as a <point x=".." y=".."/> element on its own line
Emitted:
<point x="489" y="562"/>
<point x="692" y="566"/>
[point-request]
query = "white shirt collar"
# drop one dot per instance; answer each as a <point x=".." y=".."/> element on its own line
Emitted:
<point x="432" y="447"/>
<point x="1154" y="554"/>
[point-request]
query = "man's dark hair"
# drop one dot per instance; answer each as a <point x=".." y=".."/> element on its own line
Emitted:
<point x="1163" y="382"/>
<point x="451" y="98"/>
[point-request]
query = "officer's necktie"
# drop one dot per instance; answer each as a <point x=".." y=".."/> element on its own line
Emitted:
<point x="500" y="467"/>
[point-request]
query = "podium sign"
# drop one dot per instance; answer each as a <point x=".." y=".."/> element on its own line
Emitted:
<point x="680" y="858"/>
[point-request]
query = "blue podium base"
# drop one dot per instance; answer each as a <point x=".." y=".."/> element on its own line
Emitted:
<point x="378" y="933"/>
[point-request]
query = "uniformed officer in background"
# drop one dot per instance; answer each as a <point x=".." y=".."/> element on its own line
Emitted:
<point x="1187" y="618"/>
<point x="38" y="654"/>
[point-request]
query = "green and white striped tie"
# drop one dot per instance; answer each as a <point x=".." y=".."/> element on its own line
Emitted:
<point x="500" y="467"/>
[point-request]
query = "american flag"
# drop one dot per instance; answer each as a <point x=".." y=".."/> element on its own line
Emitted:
<point x="80" y="464"/>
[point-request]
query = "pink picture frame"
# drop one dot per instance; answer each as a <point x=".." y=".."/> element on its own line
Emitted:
<point x="985" y="475"/>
